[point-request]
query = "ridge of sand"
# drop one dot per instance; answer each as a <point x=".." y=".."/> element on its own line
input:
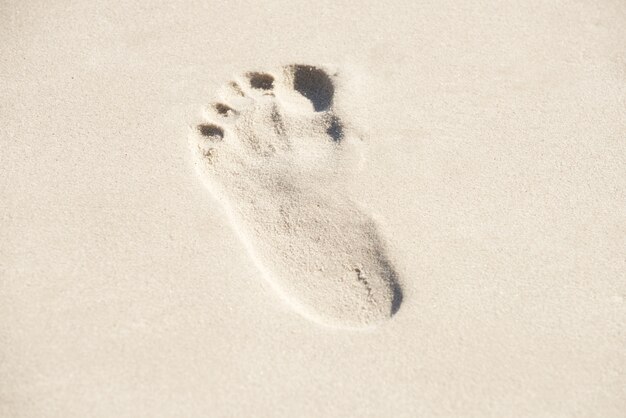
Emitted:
<point x="274" y="151"/>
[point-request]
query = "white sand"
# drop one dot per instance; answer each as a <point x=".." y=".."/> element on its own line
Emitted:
<point x="493" y="167"/>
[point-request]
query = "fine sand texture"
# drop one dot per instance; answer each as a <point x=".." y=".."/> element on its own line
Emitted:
<point x="313" y="209"/>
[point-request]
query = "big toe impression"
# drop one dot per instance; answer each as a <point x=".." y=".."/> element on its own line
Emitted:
<point x="313" y="83"/>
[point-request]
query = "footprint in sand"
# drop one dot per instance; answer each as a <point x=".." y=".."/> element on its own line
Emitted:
<point x="273" y="151"/>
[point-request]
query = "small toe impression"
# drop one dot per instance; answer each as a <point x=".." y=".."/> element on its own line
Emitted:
<point x="235" y="89"/>
<point x="210" y="131"/>
<point x="314" y="84"/>
<point x="224" y="110"/>
<point x="260" y="81"/>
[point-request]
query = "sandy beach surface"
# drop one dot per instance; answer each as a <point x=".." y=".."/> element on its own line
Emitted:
<point x="404" y="208"/>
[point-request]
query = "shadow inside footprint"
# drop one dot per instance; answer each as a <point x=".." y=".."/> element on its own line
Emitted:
<point x="392" y="279"/>
<point x="314" y="84"/>
<point x="397" y="299"/>
<point x="335" y="130"/>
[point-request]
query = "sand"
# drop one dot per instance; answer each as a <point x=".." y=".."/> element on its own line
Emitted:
<point x="481" y="157"/>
